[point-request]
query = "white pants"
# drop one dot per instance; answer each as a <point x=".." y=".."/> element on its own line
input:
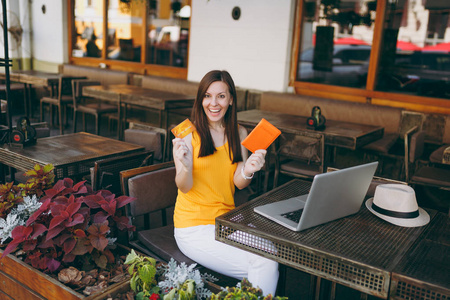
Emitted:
<point x="199" y="244"/>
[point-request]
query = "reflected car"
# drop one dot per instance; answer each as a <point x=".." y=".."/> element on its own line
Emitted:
<point x="349" y="67"/>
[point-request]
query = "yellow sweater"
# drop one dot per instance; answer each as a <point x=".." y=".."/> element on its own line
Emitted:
<point x="212" y="193"/>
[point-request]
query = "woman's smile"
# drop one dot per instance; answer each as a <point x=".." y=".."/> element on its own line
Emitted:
<point x="216" y="101"/>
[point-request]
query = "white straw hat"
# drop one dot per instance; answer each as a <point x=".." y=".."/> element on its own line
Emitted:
<point x="397" y="204"/>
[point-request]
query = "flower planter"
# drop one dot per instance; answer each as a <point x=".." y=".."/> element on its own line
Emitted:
<point x="19" y="280"/>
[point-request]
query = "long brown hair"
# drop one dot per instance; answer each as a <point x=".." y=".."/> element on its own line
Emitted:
<point x="201" y="123"/>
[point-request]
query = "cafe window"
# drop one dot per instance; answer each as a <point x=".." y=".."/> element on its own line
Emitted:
<point x="385" y="51"/>
<point x="336" y="42"/>
<point x="139" y="33"/>
<point x="413" y="63"/>
<point x="125" y="40"/>
<point x="88" y="28"/>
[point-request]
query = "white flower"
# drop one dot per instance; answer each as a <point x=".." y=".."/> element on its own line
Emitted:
<point x="7" y="226"/>
<point x="29" y="205"/>
<point x="175" y="275"/>
<point x="18" y="216"/>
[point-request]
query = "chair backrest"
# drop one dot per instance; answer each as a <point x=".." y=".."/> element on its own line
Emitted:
<point x="152" y="138"/>
<point x="107" y="171"/>
<point x="64" y="87"/>
<point x="408" y="120"/>
<point x="77" y="89"/>
<point x="414" y="140"/>
<point x="155" y="191"/>
<point x="305" y="146"/>
<point x="42" y="129"/>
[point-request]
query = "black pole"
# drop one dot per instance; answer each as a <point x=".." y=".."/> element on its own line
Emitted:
<point x="7" y="65"/>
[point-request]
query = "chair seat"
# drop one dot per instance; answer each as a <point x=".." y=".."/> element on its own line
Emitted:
<point x="437" y="155"/>
<point x="161" y="241"/>
<point x="97" y="108"/>
<point x="300" y="168"/>
<point x="55" y="101"/>
<point x="433" y="176"/>
<point x="382" y="145"/>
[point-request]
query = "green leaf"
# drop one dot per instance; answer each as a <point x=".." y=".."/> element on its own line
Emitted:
<point x="48" y="168"/>
<point x="147" y="273"/>
<point x="140" y="296"/>
<point x="133" y="281"/>
<point x="131" y="257"/>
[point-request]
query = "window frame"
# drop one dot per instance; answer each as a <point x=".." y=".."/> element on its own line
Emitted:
<point x="367" y="95"/>
<point x="135" y="67"/>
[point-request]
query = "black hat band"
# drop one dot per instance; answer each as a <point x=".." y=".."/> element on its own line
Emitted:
<point x="395" y="214"/>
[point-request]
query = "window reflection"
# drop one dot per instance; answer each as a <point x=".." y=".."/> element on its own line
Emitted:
<point x="168" y="31"/>
<point x="416" y="50"/>
<point x="336" y="42"/>
<point x="88" y="30"/>
<point x="125" y="39"/>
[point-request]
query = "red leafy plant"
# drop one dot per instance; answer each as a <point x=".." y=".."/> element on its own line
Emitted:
<point x="39" y="179"/>
<point x="71" y="228"/>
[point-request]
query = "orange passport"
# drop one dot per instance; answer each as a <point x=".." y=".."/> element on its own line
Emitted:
<point x="261" y="136"/>
<point x="183" y="129"/>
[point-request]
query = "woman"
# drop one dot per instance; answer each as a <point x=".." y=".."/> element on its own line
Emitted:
<point x="209" y="163"/>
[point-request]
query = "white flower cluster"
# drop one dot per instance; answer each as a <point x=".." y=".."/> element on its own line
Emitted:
<point x="18" y="216"/>
<point x="175" y="275"/>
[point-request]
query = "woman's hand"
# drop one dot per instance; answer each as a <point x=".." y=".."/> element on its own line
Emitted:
<point x="181" y="154"/>
<point x="255" y="162"/>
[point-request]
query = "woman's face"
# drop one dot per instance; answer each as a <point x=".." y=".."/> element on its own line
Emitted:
<point x="216" y="101"/>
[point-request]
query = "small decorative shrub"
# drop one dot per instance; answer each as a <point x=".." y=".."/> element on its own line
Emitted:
<point x="40" y="179"/>
<point x="244" y="290"/>
<point x="167" y="282"/>
<point x="70" y="228"/>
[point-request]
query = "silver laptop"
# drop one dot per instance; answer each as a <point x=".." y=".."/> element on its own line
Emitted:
<point x="333" y="195"/>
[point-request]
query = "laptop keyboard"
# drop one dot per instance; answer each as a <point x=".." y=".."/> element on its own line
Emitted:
<point x="293" y="215"/>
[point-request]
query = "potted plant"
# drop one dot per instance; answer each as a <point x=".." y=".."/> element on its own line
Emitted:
<point x="166" y="281"/>
<point x="67" y="236"/>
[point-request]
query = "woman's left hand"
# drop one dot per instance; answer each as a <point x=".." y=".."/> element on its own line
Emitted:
<point x="255" y="162"/>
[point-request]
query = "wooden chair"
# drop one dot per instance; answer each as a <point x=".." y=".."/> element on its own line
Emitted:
<point x="383" y="148"/>
<point x="435" y="176"/>
<point x="431" y="181"/>
<point x="106" y="172"/>
<point x="300" y="155"/>
<point x="155" y="191"/>
<point x="61" y="101"/>
<point x="152" y="138"/>
<point x="93" y="107"/>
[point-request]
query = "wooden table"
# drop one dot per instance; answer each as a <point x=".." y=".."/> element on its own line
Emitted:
<point x="337" y="133"/>
<point x="359" y="251"/>
<point x="160" y="101"/>
<point x="34" y="77"/>
<point x="71" y="154"/>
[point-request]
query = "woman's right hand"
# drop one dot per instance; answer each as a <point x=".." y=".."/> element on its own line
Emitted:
<point x="181" y="154"/>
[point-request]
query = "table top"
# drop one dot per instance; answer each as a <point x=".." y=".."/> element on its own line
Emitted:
<point x="359" y="251"/>
<point x="136" y="95"/>
<point x="424" y="271"/>
<point x="65" y="151"/>
<point x="337" y="133"/>
<point x="33" y="77"/>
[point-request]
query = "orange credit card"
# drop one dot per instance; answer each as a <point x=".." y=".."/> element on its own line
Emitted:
<point x="261" y="136"/>
<point x="183" y="129"/>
